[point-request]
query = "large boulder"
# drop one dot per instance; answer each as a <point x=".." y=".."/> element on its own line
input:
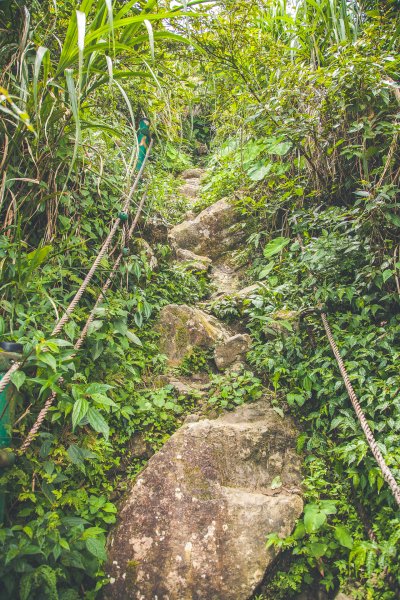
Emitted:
<point x="194" y="525"/>
<point x="213" y="232"/>
<point x="183" y="328"/>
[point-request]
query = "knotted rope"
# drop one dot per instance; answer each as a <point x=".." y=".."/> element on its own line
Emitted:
<point x="386" y="472"/>
<point x="64" y="319"/>
<point x="42" y="415"/>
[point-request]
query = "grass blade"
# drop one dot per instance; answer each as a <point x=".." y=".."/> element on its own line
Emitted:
<point x="40" y="55"/>
<point x="151" y="37"/>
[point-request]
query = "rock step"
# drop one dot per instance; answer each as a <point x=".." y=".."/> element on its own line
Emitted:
<point x="183" y="328"/>
<point x="213" y="232"/>
<point x="189" y="190"/>
<point x="193" y="173"/>
<point x="195" y="523"/>
<point x="225" y="280"/>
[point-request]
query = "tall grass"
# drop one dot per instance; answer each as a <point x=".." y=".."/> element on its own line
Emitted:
<point x="310" y="27"/>
<point x="46" y="89"/>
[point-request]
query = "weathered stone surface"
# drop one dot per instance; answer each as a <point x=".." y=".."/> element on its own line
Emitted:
<point x="193" y="526"/>
<point x="232" y="350"/>
<point x="248" y="292"/>
<point x="193" y="181"/>
<point x="210" y="233"/>
<point x="189" y="190"/>
<point x="225" y="280"/>
<point x="182" y="328"/>
<point x="186" y="386"/>
<point x="194" y="261"/>
<point x="194" y="173"/>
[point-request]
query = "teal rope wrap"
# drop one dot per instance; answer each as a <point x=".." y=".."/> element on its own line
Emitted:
<point x="144" y="138"/>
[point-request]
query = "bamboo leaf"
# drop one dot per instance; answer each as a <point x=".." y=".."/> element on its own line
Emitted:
<point x="41" y="53"/>
<point x="151" y="36"/>
<point x="75" y="112"/>
<point x="110" y="68"/>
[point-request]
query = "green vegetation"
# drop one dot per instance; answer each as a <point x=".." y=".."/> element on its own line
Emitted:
<point x="298" y="107"/>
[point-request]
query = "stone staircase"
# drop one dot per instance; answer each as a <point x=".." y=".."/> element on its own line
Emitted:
<point x="195" y="522"/>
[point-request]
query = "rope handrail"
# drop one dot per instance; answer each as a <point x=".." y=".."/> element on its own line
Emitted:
<point x="69" y="310"/>
<point x="42" y="414"/>
<point x="386" y="472"/>
<point x="372" y="443"/>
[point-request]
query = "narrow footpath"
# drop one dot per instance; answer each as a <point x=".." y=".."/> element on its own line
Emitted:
<point x="195" y="522"/>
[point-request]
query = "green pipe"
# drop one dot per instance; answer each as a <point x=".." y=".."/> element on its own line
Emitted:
<point x="144" y="137"/>
<point x="7" y="411"/>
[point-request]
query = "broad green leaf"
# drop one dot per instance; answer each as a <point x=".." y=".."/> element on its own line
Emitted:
<point x="37" y="257"/>
<point x="317" y="549"/>
<point x="98" y="422"/>
<point x="266" y="270"/>
<point x="293" y="399"/>
<point x="95" y="325"/>
<point x="259" y="172"/>
<point x="280" y="149"/>
<point x="387" y="273"/>
<point x="299" y="532"/>
<point x="133" y="338"/>
<point x="275" y="246"/>
<point x="48" y="359"/>
<point x="328" y="507"/>
<point x="343" y="536"/>
<point x="79" y="411"/>
<point x="97" y="388"/>
<point x="313" y="519"/>
<point x="103" y="400"/>
<point x="393" y="218"/>
<point x="18" y="378"/>
<point x="97" y="548"/>
<point x="92" y="532"/>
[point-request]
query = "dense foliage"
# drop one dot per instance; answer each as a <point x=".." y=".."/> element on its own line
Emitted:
<point x="308" y="152"/>
<point x="298" y="105"/>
